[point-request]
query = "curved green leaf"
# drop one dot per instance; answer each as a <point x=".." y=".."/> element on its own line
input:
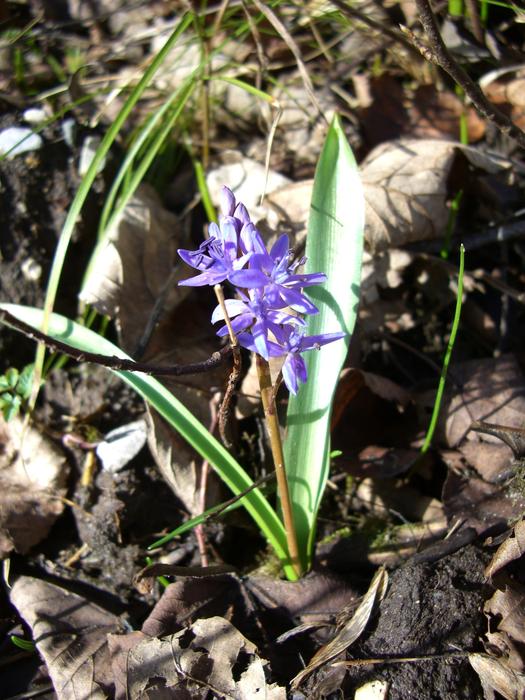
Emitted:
<point x="173" y="411"/>
<point x="334" y="245"/>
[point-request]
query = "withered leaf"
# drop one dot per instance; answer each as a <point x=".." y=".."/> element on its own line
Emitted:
<point x="211" y="656"/>
<point x="350" y="630"/>
<point x="509" y="550"/>
<point x="496" y="675"/>
<point x="33" y="474"/>
<point x="70" y="634"/>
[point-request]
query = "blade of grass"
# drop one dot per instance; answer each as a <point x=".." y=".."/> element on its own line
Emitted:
<point x="85" y="186"/>
<point x="448" y="354"/>
<point x="178" y="416"/>
<point x="135" y="178"/>
<point x="334" y="245"/>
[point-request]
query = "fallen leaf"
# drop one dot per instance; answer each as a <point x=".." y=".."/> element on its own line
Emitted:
<point x="508" y="607"/>
<point x="507" y="90"/>
<point x="509" y="550"/>
<point x="350" y="630"/>
<point x="70" y="635"/>
<point x="436" y="113"/>
<point x="496" y="675"/>
<point x="493" y="390"/>
<point x="135" y="282"/>
<point x="33" y="474"/>
<point x="405" y="184"/>
<point x="210" y="656"/>
<point x="373" y="690"/>
<point x="406" y="189"/>
<point x="479" y="504"/>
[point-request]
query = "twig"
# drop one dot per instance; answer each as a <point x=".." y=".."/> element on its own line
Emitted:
<point x="438" y="53"/>
<point x="112" y="361"/>
<point x="224" y="410"/>
<point x="383" y="29"/>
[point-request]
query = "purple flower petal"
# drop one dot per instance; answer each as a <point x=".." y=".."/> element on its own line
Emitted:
<point x="227" y="202"/>
<point x="248" y="279"/>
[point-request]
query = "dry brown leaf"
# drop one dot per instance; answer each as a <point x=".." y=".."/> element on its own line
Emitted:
<point x="509" y="550"/>
<point x="491" y="461"/>
<point x="350" y="630"/>
<point x="135" y="266"/>
<point x="313" y="597"/>
<point x="211" y="656"/>
<point x="496" y="675"/>
<point x="508" y="607"/>
<point x="70" y="635"/>
<point x="508" y="93"/>
<point x="33" y="475"/>
<point x="135" y="274"/>
<point x="493" y="390"/>
<point x="405" y="184"/>
<point x="437" y="114"/>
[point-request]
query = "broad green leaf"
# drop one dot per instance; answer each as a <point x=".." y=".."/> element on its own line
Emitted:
<point x="173" y="411"/>
<point x="334" y="245"/>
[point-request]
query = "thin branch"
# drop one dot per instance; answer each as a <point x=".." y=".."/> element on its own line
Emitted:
<point x="112" y="361"/>
<point x="235" y="374"/>
<point x="438" y="53"/>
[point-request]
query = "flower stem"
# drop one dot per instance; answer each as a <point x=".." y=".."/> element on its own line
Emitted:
<point x="272" y="422"/>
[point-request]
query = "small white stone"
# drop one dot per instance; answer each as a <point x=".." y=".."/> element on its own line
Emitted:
<point x="33" y="115"/>
<point x="31" y="270"/>
<point x="121" y="445"/>
<point x="18" y="139"/>
<point x="87" y="153"/>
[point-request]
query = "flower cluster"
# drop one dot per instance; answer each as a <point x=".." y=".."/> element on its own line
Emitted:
<point x="267" y="315"/>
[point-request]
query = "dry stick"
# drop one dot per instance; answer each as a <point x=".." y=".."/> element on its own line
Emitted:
<point x="279" y="27"/>
<point x="112" y="361"/>
<point x="270" y="413"/>
<point x="438" y="53"/>
<point x="224" y="410"/>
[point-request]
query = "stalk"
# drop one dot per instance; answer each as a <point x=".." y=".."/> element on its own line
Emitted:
<point x="274" y="432"/>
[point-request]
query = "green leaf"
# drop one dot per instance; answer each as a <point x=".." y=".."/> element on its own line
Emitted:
<point x="177" y="415"/>
<point x="12" y="377"/>
<point x="25" y="382"/>
<point x="9" y="405"/>
<point x="334" y="245"/>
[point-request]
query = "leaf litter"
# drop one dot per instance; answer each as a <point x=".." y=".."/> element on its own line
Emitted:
<point x="430" y="520"/>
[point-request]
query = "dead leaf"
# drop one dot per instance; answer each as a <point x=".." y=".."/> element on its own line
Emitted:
<point x="508" y="607"/>
<point x="70" y="635"/>
<point x="509" y="550"/>
<point x="493" y="390"/>
<point x="406" y="191"/>
<point x="491" y="461"/>
<point x="479" y="504"/>
<point x="312" y="598"/>
<point x="507" y="92"/>
<point x="211" y="656"/>
<point x="496" y="675"/>
<point x="350" y="630"/>
<point x="373" y="690"/>
<point x="135" y="265"/>
<point x="33" y="475"/>
<point x="136" y="283"/>
<point x="436" y="113"/>
<point x="405" y="184"/>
